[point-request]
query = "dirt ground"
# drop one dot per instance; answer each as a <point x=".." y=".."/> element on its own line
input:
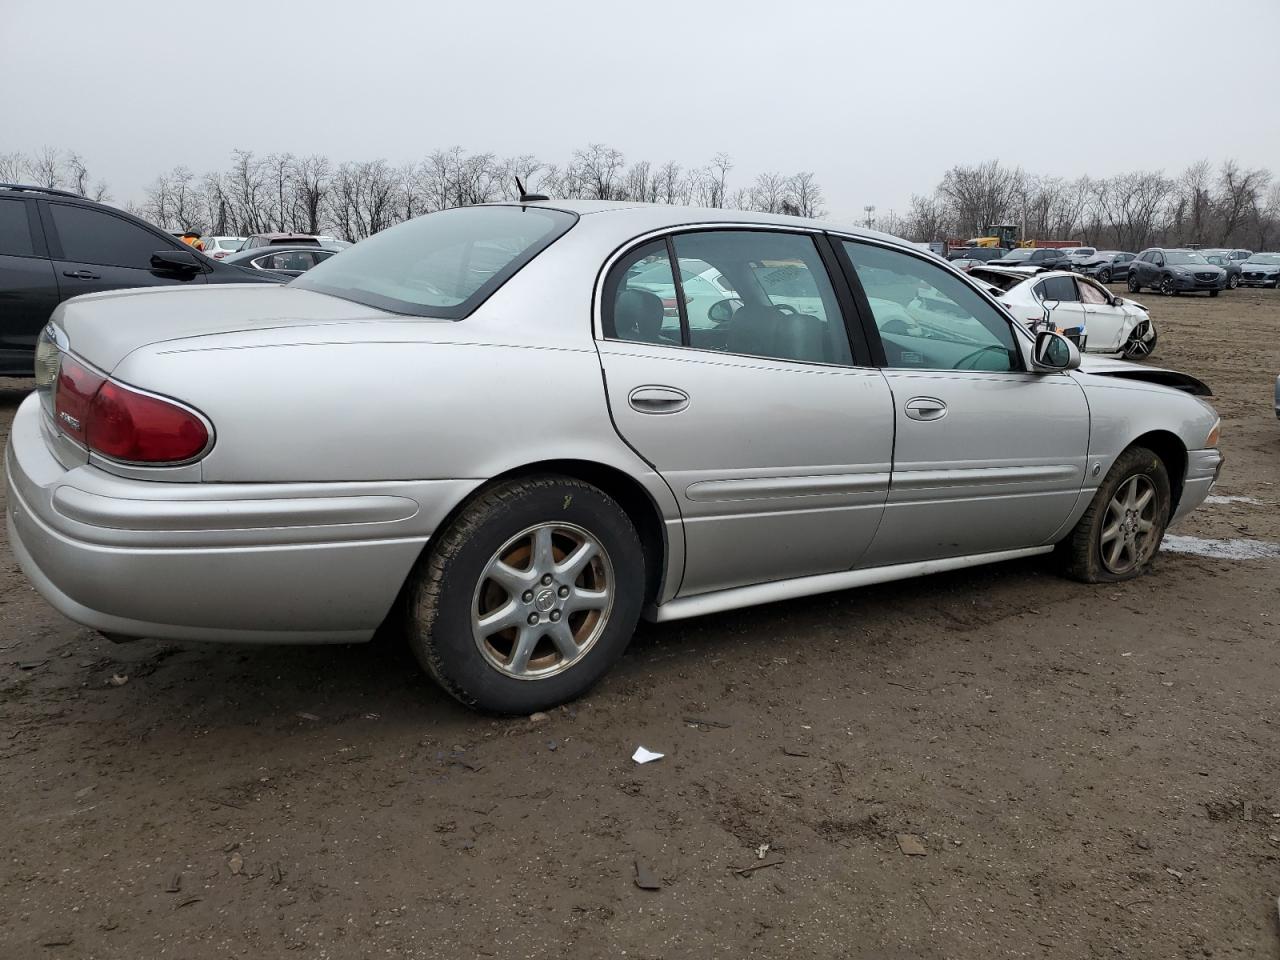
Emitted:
<point x="1091" y="771"/>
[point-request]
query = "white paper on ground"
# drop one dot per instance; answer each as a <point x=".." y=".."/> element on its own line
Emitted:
<point x="646" y="756"/>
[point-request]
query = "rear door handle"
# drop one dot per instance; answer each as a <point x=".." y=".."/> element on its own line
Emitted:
<point x="658" y="399"/>
<point x="81" y="275"/>
<point x="926" y="408"/>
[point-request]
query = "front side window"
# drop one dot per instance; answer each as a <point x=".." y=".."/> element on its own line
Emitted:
<point x="442" y="264"/>
<point x="1091" y="294"/>
<point x="15" y="230"/>
<point x="92" y="236"/>
<point x="928" y="317"/>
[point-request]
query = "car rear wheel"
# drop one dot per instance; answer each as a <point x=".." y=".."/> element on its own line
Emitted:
<point x="1104" y="275"/>
<point x="1121" y="531"/>
<point x="1134" y="285"/>
<point x="1233" y="281"/>
<point x="529" y="596"/>
<point x="1167" y="288"/>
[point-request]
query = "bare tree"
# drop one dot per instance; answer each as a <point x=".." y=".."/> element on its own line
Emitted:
<point x="1239" y="191"/>
<point x="804" y="195"/>
<point x="45" y="168"/>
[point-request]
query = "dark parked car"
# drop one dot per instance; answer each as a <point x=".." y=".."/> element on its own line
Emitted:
<point x="1175" y="271"/>
<point x="1046" y="258"/>
<point x="280" y="240"/>
<point x="1107" y="265"/>
<point x="983" y="254"/>
<point x="55" y="245"/>
<point x="286" y="261"/>
<point x="1261" y="270"/>
<point x="1223" y="259"/>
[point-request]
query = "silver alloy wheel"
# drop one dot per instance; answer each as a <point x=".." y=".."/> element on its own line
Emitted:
<point x="1104" y="275"/>
<point x="1233" y="281"/>
<point x="543" y="601"/>
<point x="1129" y="526"/>
<point x="1137" y="346"/>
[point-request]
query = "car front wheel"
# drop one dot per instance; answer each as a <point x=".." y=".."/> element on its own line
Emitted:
<point x="1121" y="531"/>
<point x="1138" y="348"/>
<point x="1104" y="275"/>
<point x="529" y="596"/>
<point x="1167" y="288"/>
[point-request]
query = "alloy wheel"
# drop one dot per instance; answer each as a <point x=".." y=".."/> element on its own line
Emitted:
<point x="543" y="601"/>
<point x="1104" y="275"/>
<point x="1166" y="287"/>
<point x="1134" y="286"/>
<point x="1233" y="281"/>
<point x="1128" y="529"/>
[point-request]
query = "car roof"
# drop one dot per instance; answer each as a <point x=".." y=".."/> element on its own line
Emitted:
<point x="51" y="191"/>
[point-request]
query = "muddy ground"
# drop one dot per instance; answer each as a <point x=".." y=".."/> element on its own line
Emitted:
<point x="1091" y="771"/>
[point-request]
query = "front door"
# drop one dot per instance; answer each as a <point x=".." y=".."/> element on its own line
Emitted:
<point x="776" y="444"/>
<point x="94" y="250"/>
<point x="988" y="456"/>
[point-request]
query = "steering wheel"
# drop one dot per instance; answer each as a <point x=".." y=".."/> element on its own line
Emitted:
<point x="785" y="309"/>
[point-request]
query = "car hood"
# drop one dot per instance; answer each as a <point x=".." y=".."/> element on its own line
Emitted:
<point x="1123" y="369"/>
<point x="1196" y="268"/>
<point x="104" y="328"/>
<point x="1260" y="267"/>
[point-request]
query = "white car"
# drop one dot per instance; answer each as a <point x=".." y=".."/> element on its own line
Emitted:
<point x="1079" y="307"/>
<point x="219" y="246"/>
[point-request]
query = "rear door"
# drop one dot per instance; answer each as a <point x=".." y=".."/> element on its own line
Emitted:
<point x="775" y="436"/>
<point x="28" y="290"/>
<point x="988" y="456"/>
<point x="1069" y="314"/>
<point x="95" y="250"/>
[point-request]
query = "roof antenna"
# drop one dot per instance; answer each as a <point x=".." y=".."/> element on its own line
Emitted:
<point x="528" y="197"/>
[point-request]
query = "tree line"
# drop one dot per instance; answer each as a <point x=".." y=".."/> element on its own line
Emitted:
<point x="1223" y="205"/>
<point x="356" y="198"/>
<point x="1226" y="205"/>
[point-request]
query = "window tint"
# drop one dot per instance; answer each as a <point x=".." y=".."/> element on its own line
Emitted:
<point x="442" y="264"/>
<point x="639" y="301"/>
<point x="769" y="296"/>
<point x="1091" y="294"/>
<point x="1058" y="288"/>
<point x="91" y="236"/>
<point x="928" y="317"/>
<point x="290" y="260"/>
<point x="15" y="231"/>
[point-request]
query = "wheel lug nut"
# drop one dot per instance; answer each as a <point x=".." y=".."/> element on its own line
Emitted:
<point x="546" y="580"/>
<point x="533" y="619"/>
<point x="563" y="591"/>
<point x="555" y="616"/>
<point x="527" y="596"/>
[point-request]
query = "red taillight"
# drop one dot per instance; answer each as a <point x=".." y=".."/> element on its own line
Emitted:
<point x="73" y="398"/>
<point x="123" y="424"/>
<point x="219" y="254"/>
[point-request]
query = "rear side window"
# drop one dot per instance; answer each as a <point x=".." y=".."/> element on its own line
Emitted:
<point x="15" y="230"/>
<point x="440" y="265"/>
<point x="1062" y="289"/>
<point x="91" y="236"/>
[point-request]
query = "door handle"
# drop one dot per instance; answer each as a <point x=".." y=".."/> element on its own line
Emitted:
<point x="81" y="275"/>
<point x="926" y="408"/>
<point x="656" y="399"/>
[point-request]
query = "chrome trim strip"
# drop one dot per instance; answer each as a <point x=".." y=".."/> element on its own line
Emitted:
<point x="984" y="476"/>
<point x="722" y="600"/>
<point x="764" y="488"/>
<point x="121" y="514"/>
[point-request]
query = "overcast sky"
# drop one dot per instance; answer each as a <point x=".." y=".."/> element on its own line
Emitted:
<point x="876" y="97"/>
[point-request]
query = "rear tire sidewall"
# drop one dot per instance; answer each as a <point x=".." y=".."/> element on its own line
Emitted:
<point x="440" y="604"/>
<point x="1134" y="285"/>
<point x="1233" y="282"/>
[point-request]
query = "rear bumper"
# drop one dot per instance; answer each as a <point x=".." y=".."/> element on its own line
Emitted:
<point x="1203" y="467"/>
<point x="271" y="563"/>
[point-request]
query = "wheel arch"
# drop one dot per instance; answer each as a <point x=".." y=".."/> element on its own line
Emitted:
<point x="1172" y="452"/>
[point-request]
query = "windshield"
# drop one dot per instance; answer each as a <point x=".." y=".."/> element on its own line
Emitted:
<point x="1022" y="254"/>
<point x="1265" y="258"/>
<point x="1183" y="257"/>
<point x="440" y="265"/>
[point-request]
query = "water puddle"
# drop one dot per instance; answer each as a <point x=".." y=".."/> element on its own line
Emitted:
<point x="1225" y="499"/>
<point x="1221" y="549"/>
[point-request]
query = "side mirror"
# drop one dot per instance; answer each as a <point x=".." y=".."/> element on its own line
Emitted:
<point x="176" y="261"/>
<point x="723" y="310"/>
<point x="1054" y="353"/>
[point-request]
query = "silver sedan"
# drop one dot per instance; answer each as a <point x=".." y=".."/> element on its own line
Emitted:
<point x="509" y="431"/>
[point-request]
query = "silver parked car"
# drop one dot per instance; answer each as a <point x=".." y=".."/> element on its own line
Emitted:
<point x="484" y="428"/>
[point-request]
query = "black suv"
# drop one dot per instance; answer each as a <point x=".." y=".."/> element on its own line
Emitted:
<point x="55" y="245"/>
<point x="1173" y="271"/>
<point x="1046" y="258"/>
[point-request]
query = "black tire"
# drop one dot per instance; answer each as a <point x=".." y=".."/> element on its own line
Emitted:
<point x="1081" y="551"/>
<point x="1233" y="281"/>
<point x="1137" y="349"/>
<point x="1167" y="288"/>
<point x="1214" y="293"/>
<point x="1133" y="284"/>
<point x="1104" y="275"/>
<point x="446" y="588"/>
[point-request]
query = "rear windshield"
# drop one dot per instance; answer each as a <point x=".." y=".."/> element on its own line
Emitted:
<point x="440" y="265"/>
